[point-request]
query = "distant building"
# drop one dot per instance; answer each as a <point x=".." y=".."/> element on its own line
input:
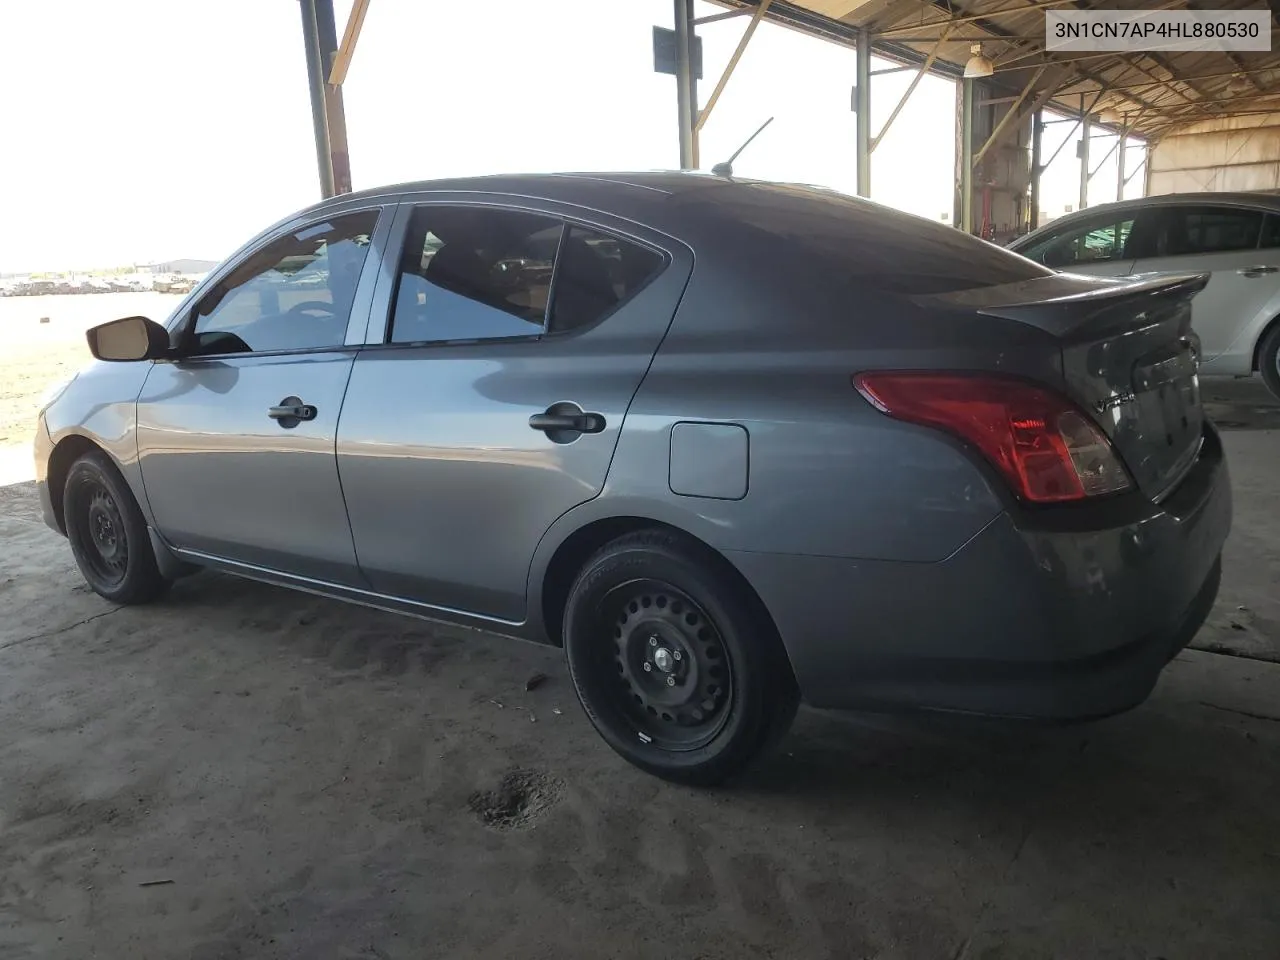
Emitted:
<point x="180" y="266"/>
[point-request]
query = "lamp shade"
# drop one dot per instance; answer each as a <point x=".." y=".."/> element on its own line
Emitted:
<point x="978" y="65"/>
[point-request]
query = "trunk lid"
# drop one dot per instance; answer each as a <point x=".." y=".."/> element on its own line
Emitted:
<point x="1129" y="358"/>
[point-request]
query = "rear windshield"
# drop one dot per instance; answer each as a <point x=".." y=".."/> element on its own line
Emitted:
<point x="879" y="247"/>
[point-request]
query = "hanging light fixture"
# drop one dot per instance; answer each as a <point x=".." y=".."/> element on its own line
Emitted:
<point x="1239" y="85"/>
<point x="978" y="65"/>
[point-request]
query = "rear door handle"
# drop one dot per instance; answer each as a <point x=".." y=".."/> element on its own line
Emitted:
<point x="291" y="412"/>
<point x="575" y="422"/>
<point x="1260" y="270"/>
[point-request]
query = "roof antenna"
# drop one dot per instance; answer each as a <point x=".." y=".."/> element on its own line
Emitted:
<point x="726" y="169"/>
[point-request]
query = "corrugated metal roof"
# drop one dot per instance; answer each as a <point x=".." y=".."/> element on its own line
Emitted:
<point x="1153" y="93"/>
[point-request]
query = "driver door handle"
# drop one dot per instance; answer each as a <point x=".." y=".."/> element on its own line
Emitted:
<point x="1257" y="271"/>
<point x="293" y="411"/>
<point x="577" y="422"/>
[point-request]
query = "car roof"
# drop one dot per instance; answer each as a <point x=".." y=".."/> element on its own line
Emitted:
<point x="665" y="200"/>
<point x="1262" y="199"/>
<point x="1265" y="200"/>
<point x="666" y="182"/>
<point x="625" y="194"/>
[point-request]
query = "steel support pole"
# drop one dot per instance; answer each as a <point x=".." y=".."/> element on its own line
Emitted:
<point x="335" y="113"/>
<point x="862" y="106"/>
<point x="966" y="154"/>
<point x="1084" y="159"/>
<point x="316" y="84"/>
<point x="1037" y="136"/>
<point x="684" y="83"/>
<point x="693" y="90"/>
<point x="1120" y="166"/>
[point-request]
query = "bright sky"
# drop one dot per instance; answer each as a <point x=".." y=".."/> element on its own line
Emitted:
<point x="144" y="130"/>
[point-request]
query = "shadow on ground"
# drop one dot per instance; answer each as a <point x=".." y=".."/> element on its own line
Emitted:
<point x="1240" y="404"/>
<point x="243" y="771"/>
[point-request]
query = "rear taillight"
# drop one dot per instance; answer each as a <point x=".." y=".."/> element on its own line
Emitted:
<point x="1043" y="444"/>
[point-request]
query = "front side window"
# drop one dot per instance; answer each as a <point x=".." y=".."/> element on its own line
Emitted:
<point x="1094" y="243"/>
<point x="1199" y="230"/>
<point x="474" y="273"/>
<point x="293" y="294"/>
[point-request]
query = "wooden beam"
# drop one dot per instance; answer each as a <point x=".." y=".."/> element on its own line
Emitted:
<point x="756" y="16"/>
<point x="342" y="59"/>
<point x="915" y="81"/>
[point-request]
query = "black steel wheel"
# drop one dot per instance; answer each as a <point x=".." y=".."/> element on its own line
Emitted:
<point x="108" y="533"/>
<point x="671" y="662"/>
<point x="674" y="659"/>
<point x="100" y="539"/>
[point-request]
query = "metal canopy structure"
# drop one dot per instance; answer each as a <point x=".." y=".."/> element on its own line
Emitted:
<point x="1149" y="94"/>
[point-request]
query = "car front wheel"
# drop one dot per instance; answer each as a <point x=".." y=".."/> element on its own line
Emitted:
<point x="108" y="533"/>
<point x="674" y="659"/>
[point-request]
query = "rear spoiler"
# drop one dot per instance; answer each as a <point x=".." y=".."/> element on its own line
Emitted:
<point x="1061" y="303"/>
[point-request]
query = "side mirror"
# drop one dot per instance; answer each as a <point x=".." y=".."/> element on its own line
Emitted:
<point x="133" y="338"/>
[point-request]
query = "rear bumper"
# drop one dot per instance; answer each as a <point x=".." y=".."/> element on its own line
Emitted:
<point x="1056" y="615"/>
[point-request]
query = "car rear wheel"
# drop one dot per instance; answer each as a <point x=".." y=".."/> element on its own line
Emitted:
<point x="108" y="533"/>
<point x="1269" y="360"/>
<point x="674" y="660"/>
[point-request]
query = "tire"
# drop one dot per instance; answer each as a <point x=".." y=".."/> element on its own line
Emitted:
<point x="1269" y="360"/>
<point x="718" y="688"/>
<point x="108" y="534"/>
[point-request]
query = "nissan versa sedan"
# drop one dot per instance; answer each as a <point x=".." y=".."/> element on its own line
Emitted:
<point x="1233" y="237"/>
<point x="731" y="444"/>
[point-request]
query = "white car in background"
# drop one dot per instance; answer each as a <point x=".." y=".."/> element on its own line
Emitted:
<point x="1233" y="236"/>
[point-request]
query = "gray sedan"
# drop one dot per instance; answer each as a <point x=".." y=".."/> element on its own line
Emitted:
<point x="731" y="444"/>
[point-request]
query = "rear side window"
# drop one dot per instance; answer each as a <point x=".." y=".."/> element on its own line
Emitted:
<point x="472" y="273"/>
<point x="595" y="274"/>
<point x="478" y="273"/>
<point x="1193" y="230"/>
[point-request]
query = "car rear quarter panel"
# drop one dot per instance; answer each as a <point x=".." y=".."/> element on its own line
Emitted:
<point x="771" y="346"/>
<point x="769" y="340"/>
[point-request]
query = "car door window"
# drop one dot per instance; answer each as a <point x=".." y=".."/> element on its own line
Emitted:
<point x="293" y="294"/>
<point x="595" y="274"/>
<point x="1200" y="230"/>
<point x="1095" y="242"/>
<point x="473" y="273"/>
<point x="1270" y="232"/>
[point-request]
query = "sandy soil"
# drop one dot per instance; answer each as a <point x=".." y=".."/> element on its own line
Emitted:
<point x="245" y="772"/>
<point x="240" y="771"/>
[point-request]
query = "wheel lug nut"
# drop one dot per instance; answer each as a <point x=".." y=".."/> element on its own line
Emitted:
<point x="647" y="666"/>
<point x="653" y="641"/>
<point x="676" y="654"/>
<point x="671" y="681"/>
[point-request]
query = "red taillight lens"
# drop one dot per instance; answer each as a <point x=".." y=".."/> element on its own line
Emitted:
<point x="1047" y="449"/>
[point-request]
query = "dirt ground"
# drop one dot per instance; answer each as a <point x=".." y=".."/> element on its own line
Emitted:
<point x="242" y="771"/>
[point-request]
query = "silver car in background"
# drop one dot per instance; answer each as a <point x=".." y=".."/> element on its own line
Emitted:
<point x="1233" y="237"/>
<point x="731" y="444"/>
